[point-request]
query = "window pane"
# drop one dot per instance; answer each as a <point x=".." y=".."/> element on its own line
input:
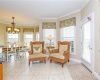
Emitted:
<point x="28" y="37"/>
<point x="12" y="37"/>
<point x="46" y="33"/>
<point x="37" y="36"/>
<point x="67" y="34"/>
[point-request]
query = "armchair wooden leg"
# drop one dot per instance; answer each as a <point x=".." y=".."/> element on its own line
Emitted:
<point x="50" y="61"/>
<point x="68" y="60"/>
<point x="62" y="65"/>
<point x="29" y="63"/>
<point x="45" y="61"/>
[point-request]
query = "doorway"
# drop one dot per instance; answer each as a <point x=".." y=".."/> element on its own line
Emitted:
<point x="87" y="42"/>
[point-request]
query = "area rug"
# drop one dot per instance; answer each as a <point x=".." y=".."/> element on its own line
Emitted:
<point x="79" y="72"/>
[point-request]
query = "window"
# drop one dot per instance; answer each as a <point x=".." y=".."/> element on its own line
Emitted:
<point x="37" y="36"/>
<point x="67" y="34"/>
<point x="28" y="37"/>
<point x="12" y="37"/>
<point x="46" y="33"/>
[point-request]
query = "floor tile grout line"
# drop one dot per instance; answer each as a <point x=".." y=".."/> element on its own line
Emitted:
<point x="64" y="74"/>
<point x="49" y="69"/>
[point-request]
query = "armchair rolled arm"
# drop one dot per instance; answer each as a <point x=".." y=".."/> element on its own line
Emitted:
<point x="55" y="51"/>
<point x="66" y="53"/>
<point x="44" y="51"/>
<point x="30" y="52"/>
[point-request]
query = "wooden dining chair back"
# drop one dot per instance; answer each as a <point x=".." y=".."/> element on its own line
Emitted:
<point x="11" y="50"/>
<point x="21" y="50"/>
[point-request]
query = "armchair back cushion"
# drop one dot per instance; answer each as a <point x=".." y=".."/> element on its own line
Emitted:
<point x="37" y="47"/>
<point x="62" y="48"/>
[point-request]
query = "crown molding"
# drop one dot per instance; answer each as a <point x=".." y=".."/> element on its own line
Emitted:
<point x="4" y="22"/>
<point x="55" y="19"/>
<point x="75" y="11"/>
<point x="47" y="18"/>
<point x="61" y="16"/>
<point x="20" y="24"/>
<point x="85" y="4"/>
<point x="69" y="14"/>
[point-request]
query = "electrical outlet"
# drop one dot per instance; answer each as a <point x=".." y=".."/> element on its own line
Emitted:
<point x="99" y="74"/>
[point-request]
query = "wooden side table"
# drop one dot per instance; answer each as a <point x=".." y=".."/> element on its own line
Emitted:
<point x="50" y="48"/>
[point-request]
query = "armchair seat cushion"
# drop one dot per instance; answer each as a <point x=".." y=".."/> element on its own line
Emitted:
<point x="39" y="55"/>
<point x="57" y="55"/>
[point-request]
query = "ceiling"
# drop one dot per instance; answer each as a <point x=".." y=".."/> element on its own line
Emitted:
<point x="28" y="12"/>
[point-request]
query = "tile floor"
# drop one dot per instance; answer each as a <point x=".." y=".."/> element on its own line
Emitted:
<point x="20" y="70"/>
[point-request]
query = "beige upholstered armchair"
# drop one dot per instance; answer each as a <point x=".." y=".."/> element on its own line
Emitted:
<point x="61" y="54"/>
<point x="37" y="52"/>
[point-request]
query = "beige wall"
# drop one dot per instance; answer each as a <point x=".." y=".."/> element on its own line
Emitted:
<point x="77" y="31"/>
<point x="22" y="34"/>
<point x="93" y="6"/>
<point x="77" y="34"/>
<point x="3" y="34"/>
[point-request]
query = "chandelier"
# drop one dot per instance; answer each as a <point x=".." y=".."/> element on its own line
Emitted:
<point x="12" y="29"/>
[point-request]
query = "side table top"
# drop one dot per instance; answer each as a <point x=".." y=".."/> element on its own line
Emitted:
<point x="50" y="47"/>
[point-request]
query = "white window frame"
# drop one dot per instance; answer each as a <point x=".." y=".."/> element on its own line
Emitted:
<point x="28" y="33"/>
<point x="74" y="52"/>
<point x="48" y="36"/>
<point x="37" y="38"/>
<point x="18" y="37"/>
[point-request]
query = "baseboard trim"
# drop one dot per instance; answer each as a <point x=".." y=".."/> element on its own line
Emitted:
<point x="76" y="60"/>
<point x="96" y="75"/>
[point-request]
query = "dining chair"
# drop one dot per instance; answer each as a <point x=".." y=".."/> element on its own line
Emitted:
<point x="21" y="49"/>
<point x="11" y="50"/>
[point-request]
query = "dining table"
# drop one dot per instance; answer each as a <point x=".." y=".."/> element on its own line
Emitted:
<point x="5" y="48"/>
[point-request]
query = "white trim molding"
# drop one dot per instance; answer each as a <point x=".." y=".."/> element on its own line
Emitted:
<point x="47" y="18"/>
<point x="76" y="60"/>
<point x="71" y="13"/>
<point x="85" y="4"/>
<point x="96" y="75"/>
